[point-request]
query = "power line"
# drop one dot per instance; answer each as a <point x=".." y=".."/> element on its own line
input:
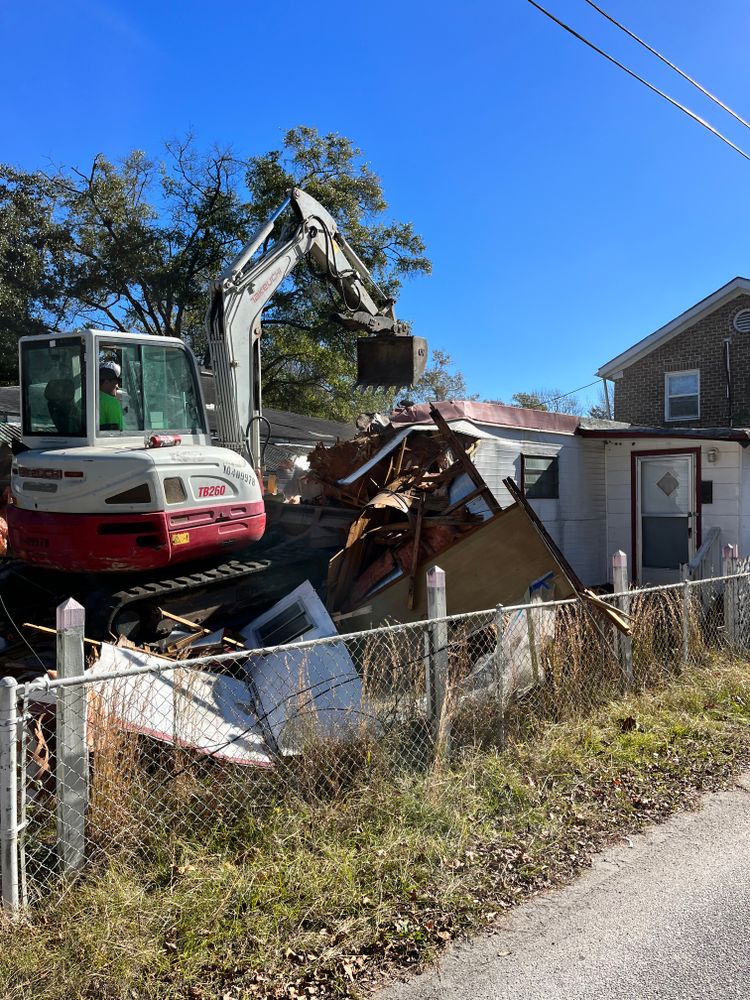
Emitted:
<point x="640" y="79"/>
<point x="685" y="76"/>
<point x="572" y="392"/>
<point x="20" y="633"/>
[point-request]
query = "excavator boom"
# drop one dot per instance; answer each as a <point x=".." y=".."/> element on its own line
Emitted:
<point x="386" y="356"/>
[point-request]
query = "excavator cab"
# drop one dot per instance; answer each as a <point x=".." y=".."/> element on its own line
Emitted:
<point x="93" y="386"/>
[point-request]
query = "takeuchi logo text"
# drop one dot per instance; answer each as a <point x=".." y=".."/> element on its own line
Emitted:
<point x="270" y="280"/>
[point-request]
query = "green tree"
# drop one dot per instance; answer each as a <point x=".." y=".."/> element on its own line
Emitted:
<point x="441" y="380"/>
<point x="29" y="295"/>
<point x="528" y="400"/>
<point x="144" y="237"/>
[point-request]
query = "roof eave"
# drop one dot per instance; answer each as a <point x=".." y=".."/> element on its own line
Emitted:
<point x="739" y="434"/>
<point x="737" y="286"/>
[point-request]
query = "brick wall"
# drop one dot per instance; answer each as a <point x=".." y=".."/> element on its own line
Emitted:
<point x="639" y="394"/>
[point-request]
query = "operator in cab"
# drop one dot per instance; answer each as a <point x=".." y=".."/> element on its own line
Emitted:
<point x="110" y="408"/>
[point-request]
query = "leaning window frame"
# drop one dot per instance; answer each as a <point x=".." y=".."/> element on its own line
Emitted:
<point x="682" y="395"/>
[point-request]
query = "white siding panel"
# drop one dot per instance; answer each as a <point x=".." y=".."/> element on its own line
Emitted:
<point x="577" y="520"/>
<point x="730" y="474"/>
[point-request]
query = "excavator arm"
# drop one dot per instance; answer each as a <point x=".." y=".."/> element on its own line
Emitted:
<point x="389" y="356"/>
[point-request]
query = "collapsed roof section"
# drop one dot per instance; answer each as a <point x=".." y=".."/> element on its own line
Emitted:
<point x="417" y="501"/>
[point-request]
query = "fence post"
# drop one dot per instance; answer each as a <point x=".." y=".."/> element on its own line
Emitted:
<point x="685" y="615"/>
<point x="621" y="585"/>
<point x="71" y="773"/>
<point x="729" y="568"/>
<point x="9" y="792"/>
<point x="531" y="631"/>
<point x="437" y="608"/>
<point x="501" y="663"/>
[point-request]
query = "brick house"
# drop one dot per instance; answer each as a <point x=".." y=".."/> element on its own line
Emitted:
<point x="678" y="466"/>
<point x="693" y="372"/>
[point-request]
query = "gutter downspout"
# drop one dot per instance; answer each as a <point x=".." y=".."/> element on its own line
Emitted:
<point x="728" y="373"/>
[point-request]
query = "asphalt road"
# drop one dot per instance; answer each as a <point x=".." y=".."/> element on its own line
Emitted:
<point x="668" y="917"/>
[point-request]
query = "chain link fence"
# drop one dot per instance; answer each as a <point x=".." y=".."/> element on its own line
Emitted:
<point x="138" y="750"/>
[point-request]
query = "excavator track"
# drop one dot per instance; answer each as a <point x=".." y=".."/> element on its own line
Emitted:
<point x="234" y="590"/>
<point x="109" y="612"/>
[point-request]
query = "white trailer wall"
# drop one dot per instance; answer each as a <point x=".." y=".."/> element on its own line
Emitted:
<point x="729" y="473"/>
<point x="577" y="520"/>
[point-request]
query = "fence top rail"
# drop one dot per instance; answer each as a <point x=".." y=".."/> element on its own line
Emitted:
<point x="157" y="665"/>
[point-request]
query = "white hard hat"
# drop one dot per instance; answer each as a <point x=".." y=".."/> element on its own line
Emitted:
<point x="109" y="369"/>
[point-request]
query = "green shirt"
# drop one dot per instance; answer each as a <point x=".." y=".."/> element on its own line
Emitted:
<point x="110" y="413"/>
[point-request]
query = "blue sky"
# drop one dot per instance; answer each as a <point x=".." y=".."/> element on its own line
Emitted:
<point x="568" y="211"/>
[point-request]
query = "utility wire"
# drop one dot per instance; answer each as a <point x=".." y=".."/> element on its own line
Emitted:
<point x="572" y="392"/>
<point x="640" y="79"/>
<point x="21" y="635"/>
<point x="653" y="51"/>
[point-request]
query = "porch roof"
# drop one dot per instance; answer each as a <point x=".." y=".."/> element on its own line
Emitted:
<point x="740" y="434"/>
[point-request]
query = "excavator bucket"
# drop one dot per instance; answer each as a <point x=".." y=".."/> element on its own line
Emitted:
<point x="389" y="359"/>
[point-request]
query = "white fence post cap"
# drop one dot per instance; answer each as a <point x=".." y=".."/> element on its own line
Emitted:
<point x="70" y="614"/>
<point x="435" y="577"/>
<point x="619" y="559"/>
<point x="729" y="551"/>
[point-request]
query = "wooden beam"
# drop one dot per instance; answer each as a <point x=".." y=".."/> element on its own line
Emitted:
<point x="466" y="463"/>
<point x="52" y="631"/>
<point x="415" y="553"/>
<point x="463" y="501"/>
<point x="197" y="627"/>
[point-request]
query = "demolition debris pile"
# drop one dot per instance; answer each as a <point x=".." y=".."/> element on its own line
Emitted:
<point x="372" y="516"/>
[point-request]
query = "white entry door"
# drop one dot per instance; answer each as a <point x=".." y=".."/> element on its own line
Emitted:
<point x="665" y="517"/>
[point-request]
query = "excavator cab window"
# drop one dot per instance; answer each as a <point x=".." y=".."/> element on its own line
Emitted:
<point x="53" y="388"/>
<point x="157" y="389"/>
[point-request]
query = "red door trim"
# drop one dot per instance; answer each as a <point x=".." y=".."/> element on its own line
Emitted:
<point x="634" y="455"/>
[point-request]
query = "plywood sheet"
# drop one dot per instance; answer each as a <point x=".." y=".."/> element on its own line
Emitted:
<point x="493" y="564"/>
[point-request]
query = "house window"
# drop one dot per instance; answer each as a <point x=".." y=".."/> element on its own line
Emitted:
<point x="682" y="395"/>
<point x="540" y="477"/>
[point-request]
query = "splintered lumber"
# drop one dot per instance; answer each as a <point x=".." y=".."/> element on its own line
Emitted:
<point x="460" y="454"/>
<point x="196" y="627"/>
<point x="489" y="564"/>
<point x="619" y="618"/>
<point x="52" y="631"/>
<point x="415" y="553"/>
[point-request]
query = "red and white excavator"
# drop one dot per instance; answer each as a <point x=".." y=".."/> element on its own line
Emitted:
<point x="148" y="489"/>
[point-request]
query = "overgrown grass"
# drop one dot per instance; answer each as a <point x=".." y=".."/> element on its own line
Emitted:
<point x="310" y="899"/>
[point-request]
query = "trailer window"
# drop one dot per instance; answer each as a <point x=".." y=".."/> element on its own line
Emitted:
<point x="157" y="390"/>
<point x="540" y="477"/>
<point x="53" y="388"/>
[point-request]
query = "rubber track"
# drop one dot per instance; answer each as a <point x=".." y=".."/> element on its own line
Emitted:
<point x="162" y="590"/>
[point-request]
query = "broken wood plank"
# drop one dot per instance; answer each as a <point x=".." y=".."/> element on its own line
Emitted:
<point x="618" y="618"/>
<point x="460" y="454"/>
<point x="52" y="631"/>
<point x="415" y="553"/>
<point x="198" y="628"/>
<point x="400" y="459"/>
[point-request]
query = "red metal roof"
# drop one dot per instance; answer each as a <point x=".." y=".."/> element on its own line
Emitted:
<point x="496" y="414"/>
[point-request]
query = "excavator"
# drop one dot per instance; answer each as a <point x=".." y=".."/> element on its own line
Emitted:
<point x="117" y="472"/>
